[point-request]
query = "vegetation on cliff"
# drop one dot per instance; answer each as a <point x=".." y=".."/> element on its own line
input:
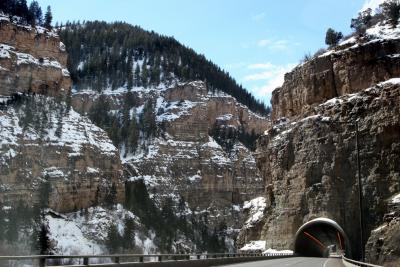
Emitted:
<point x="113" y="55"/>
<point x="30" y="15"/>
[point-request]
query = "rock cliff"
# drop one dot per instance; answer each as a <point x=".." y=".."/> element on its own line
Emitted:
<point x="31" y="59"/>
<point x="73" y="155"/>
<point x="307" y="158"/>
<point x="42" y="138"/>
<point x="336" y="73"/>
<point x="184" y="160"/>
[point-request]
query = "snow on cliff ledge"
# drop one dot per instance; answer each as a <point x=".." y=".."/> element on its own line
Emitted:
<point x="256" y="208"/>
<point x="76" y="133"/>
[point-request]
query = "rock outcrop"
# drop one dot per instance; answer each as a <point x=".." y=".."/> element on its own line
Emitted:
<point x="334" y="74"/>
<point x="31" y="59"/>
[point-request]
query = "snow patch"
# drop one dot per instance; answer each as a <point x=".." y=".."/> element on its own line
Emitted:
<point x="254" y="246"/>
<point x="332" y="102"/>
<point x="390" y="81"/>
<point x="396" y="199"/>
<point x="256" y="208"/>
<point x="380" y="228"/>
<point x="275" y="251"/>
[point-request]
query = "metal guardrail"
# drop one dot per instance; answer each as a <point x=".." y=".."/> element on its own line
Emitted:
<point x="357" y="263"/>
<point x="117" y="259"/>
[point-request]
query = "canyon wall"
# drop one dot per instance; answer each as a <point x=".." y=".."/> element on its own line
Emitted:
<point x="31" y="59"/>
<point x="307" y="158"/>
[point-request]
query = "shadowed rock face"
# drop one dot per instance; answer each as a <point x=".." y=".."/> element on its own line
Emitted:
<point x="343" y="72"/>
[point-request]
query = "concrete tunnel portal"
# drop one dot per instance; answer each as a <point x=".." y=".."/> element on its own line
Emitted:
<point x="316" y="237"/>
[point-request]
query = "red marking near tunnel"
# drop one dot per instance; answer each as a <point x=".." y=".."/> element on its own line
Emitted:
<point x="314" y="239"/>
<point x="340" y="240"/>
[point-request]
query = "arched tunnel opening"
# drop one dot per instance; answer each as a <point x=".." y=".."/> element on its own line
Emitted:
<point x="320" y="237"/>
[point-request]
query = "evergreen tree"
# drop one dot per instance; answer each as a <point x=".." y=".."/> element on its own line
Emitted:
<point x="144" y="78"/>
<point x="332" y="37"/>
<point x="111" y="197"/>
<point x="133" y="138"/>
<point x="7" y="6"/>
<point x="44" y="193"/>
<point x="148" y="119"/>
<point x="11" y="228"/>
<point x="48" y="17"/>
<point x="113" y="240"/>
<point x="35" y="13"/>
<point x="128" y="239"/>
<point x="391" y="11"/>
<point x="21" y="10"/>
<point x="137" y="77"/>
<point x="43" y="240"/>
<point x="362" y="22"/>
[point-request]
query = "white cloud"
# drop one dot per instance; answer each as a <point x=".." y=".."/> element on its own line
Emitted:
<point x="272" y="77"/>
<point x="270" y="71"/>
<point x="372" y="4"/>
<point x="267" y="65"/>
<point x="235" y="65"/>
<point x="273" y="44"/>
<point x="258" y="17"/>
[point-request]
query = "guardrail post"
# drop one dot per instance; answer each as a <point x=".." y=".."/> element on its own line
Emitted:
<point x="198" y="256"/>
<point x="140" y="258"/>
<point x="116" y="259"/>
<point x="42" y="262"/>
<point x="85" y="261"/>
<point x="160" y="258"/>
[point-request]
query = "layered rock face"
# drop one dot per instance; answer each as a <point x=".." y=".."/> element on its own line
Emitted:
<point x="81" y="164"/>
<point x="335" y="74"/>
<point x="31" y="59"/>
<point x="185" y="161"/>
<point x="308" y="158"/>
<point x="43" y="139"/>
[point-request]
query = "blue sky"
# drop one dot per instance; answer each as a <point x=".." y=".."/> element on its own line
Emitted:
<point x="256" y="41"/>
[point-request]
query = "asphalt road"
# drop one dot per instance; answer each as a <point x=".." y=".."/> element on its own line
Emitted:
<point x="297" y="262"/>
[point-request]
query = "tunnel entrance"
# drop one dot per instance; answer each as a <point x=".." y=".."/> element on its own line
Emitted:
<point x="319" y="237"/>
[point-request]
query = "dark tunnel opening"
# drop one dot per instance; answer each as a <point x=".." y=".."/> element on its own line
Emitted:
<point x="319" y="238"/>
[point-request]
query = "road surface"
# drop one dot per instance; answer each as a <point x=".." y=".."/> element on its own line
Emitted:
<point x="297" y="262"/>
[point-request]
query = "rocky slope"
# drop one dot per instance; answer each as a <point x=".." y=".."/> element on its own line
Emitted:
<point x="308" y="158"/>
<point x="31" y="59"/>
